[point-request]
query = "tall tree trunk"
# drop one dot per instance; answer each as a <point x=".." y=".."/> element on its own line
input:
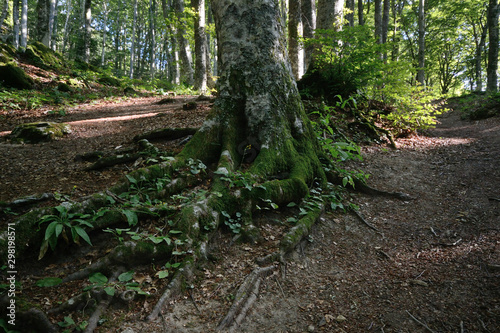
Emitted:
<point x="184" y="49"/>
<point x="385" y="20"/>
<point x="50" y="33"/>
<point x="361" y="17"/>
<point x="330" y="14"/>
<point x="53" y="37"/>
<point x="308" y="14"/>
<point x="294" y="31"/>
<point x="15" y="17"/>
<point x="200" y="46"/>
<point x="88" y="30"/>
<point x="152" y="33"/>
<point x="378" y="21"/>
<point x="491" y="71"/>
<point x="477" y="59"/>
<point x="133" y="38"/>
<point x="24" y="25"/>
<point x="350" y="16"/>
<point x="5" y="13"/>
<point x="104" y="33"/>
<point x="66" y="32"/>
<point x="42" y="30"/>
<point x="421" y="43"/>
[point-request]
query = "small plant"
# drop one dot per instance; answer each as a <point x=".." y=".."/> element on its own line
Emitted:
<point x="196" y="166"/>
<point x="70" y="325"/>
<point x="66" y="225"/>
<point x="233" y="223"/>
<point x="167" y="269"/>
<point x="99" y="280"/>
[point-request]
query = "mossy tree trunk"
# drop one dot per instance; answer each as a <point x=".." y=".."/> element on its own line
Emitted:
<point x="258" y="110"/>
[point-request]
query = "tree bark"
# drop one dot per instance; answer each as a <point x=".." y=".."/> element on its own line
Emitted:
<point x="87" y="30"/>
<point x="350" y="15"/>
<point x="184" y="49"/>
<point x="421" y="43"/>
<point x="491" y="71"/>
<point x="294" y="31"/>
<point x="200" y="46"/>
<point x="24" y="25"/>
<point x="133" y="38"/>
<point x="15" y="17"/>
<point x="378" y="21"/>
<point x="5" y="12"/>
<point x="104" y="33"/>
<point x="308" y="15"/>
<point x="42" y="31"/>
<point x="361" y="18"/>
<point x="152" y="33"/>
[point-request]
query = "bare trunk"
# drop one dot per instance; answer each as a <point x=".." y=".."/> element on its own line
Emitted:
<point x="200" y="46"/>
<point x="492" y="85"/>
<point x="88" y="30"/>
<point x="133" y="46"/>
<point x="361" y="18"/>
<point x="152" y="29"/>
<point x="184" y="48"/>
<point x="350" y="15"/>
<point x="66" y="32"/>
<point x="24" y="25"/>
<point x="378" y="21"/>
<point x="308" y="14"/>
<point x="104" y="34"/>
<point x="294" y="31"/>
<point x="5" y="12"/>
<point x="421" y="43"/>
<point x="15" y="17"/>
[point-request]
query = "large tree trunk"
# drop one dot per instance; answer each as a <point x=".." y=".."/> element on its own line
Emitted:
<point x="259" y="109"/>
<point x="491" y="71"/>
<point x="361" y="17"/>
<point x="378" y="21"/>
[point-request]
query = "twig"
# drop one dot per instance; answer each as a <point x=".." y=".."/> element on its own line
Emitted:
<point x="462" y="327"/>
<point x="279" y="285"/>
<point x="194" y="302"/>
<point x="371" y="226"/>
<point x="435" y="234"/>
<point x="421" y="323"/>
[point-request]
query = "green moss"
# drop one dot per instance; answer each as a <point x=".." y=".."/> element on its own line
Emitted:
<point x="299" y="231"/>
<point x="43" y="57"/>
<point x="13" y="76"/>
<point x="38" y="132"/>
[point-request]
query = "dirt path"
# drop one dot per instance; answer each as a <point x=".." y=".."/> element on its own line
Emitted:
<point x="433" y="267"/>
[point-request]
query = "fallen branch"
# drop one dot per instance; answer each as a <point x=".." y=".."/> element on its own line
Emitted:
<point x="26" y="201"/>
<point x="421" y="323"/>
<point x="167" y="134"/>
<point x="245" y="297"/>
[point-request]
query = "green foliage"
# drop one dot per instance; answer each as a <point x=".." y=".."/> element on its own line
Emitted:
<point x="49" y="282"/>
<point x="66" y="225"/>
<point x="71" y="326"/>
<point x="125" y="282"/>
<point x="234" y="223"/>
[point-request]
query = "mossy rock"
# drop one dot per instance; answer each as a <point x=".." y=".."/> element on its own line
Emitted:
<point x="38" y="132"/>
<point x="7" y="53"/>
<point x="15" y="77"/>
<point x="43" y="57"/>
<point x="64" y="87"/>
<point x="110" y="81"/>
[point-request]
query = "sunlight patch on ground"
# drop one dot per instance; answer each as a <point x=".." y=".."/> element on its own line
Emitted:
<point x="118" y="118"/>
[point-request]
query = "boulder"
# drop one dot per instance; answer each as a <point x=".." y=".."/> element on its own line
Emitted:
<point x="38" y="132"/>
<point x="15" y="77"/>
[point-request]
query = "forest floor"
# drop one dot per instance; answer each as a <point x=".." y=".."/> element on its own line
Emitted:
<point x="431" y="264"/>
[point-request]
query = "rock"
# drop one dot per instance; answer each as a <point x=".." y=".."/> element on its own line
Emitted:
<point x="38" y="132"/>
<point x="13" y="76"/>
<point x="311" y="328"/>
<point x="340" y="318"/>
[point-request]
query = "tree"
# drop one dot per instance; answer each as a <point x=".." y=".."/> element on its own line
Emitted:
<point x="200" y="45"/>
<point x="133" y="37"/>
<point x="294" y="31"/>
<point x="308" y="18"/>
<point x="87" y="29"/>
<point x="492" y="85"/>
<point x="421" y="42"/>
<point x="186" y="71"/>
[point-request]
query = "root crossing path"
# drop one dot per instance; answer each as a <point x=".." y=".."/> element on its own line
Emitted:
<point x="434" y="265"/>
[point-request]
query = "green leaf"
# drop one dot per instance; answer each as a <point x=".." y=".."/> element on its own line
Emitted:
<point x="51" y="229"/>
<point x="131" y="179"/>
<point x="98" y="278"/>
<point x="82" y="233"/>
<point x="291" y="204"/>
<point x="48" y="282"/>
<point x="43" y="249"/>
<point x="131" y="216"/>
<point x="110" y="291"/>
<point x="127" y="276"/>
<point x="162" y="274"/>
<point x="292" y="220"/>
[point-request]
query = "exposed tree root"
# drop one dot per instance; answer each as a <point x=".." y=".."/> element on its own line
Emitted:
<point x="245" y="297"/>
<point x="101" y="307"/>
<point x="167" y="134"/>
<point x="26" y="201"/>
<point x="30" y="320"/>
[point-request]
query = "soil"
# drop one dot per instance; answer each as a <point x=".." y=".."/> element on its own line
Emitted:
<point x="431" y="264"/>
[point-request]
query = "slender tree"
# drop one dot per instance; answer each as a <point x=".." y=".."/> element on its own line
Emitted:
<point x="200" y="46"/>
<point x="350" y="15"/>
<point x="152" y="34"/>
<point x="294" y="31"/>
<point x="5" y="13"/>
<point x="378" y="21"/>
<point x="184" y="48"/>
<point x="421" y="42"/>
<point x="133" y="39"/>
<point x="492" y="85"/>
<point x="15" y="17"/>
<point x="24" y="25"/>
<point x="308" y="18"/>
<point x="87" y="29"/>
<point x="104" y="32"/>
<point x="361" y="17"/>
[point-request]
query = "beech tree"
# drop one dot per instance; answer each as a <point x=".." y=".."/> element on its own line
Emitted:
<point x="492" y="85"/>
